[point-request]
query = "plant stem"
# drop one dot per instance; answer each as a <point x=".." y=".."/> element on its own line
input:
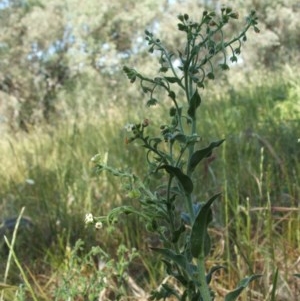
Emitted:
<point x="189" y="203"/>
<point x="204" y="289"/>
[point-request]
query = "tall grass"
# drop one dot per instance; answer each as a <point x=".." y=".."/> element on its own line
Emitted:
<point x="48" y="171"/>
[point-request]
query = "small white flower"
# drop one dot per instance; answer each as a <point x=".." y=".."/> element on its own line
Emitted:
<point x="128" y="127"/>
<point x="89" y="218"/>
<point x="30" y="181"/>
<point x="98" y="225"/>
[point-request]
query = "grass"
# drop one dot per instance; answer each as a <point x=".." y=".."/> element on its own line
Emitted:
<point x="257" y="221"/>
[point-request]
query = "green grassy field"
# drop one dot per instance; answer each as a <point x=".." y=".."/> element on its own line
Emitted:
<point x="257" y="220"/>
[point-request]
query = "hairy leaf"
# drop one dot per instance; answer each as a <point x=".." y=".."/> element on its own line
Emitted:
<point x="200" y="241"/>
<point x="179" y="259"/>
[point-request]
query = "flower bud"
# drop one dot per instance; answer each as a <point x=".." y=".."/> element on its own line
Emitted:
<point x="180" y="17"/>
<point x="172" y="111"/>
<point x="256" y="29"/>
<point x="145" y="122"/>
<point x="186" y="17"/>
<point x="234" y="15"/>
<point x="233" y="59"/>
<point x="210" y="75"/>
<point x="237" y="50"/>
<point x="224" y="66"/>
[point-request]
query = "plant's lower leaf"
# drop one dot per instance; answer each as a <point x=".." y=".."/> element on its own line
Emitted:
<point x="179" y="259"/>
<point x="200" y="241"/>
<point x="182" y="279"/>
<point x="170" y="271"/>
<point x="168" y="267"/>
<point x="233" y="295"/>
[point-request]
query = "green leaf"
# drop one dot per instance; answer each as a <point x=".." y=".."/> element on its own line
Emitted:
<point x="297" y="275"/>
<point x="233" y="295"/>
<point x="200" y="241"/>
<point x="131" y="73"/>
<point x="183" y="179"/>
<point x="173" y="272"/>
<point x="194" y="104"/>
<point x="200" y="154"/>
<point x="179" y="259"/>
<point x="172" y="80"/>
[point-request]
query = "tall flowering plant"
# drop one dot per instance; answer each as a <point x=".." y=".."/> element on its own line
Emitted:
<point x="171" y="210"/>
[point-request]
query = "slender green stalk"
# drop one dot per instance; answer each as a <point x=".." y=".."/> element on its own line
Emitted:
<point x="204" y="288"/>
<point x="13" y="256"/>
<point x="27" y="283"/>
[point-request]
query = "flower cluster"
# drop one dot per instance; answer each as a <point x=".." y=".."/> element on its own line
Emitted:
<point x="89" y="219"/>
<point x="136" y="129"/>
